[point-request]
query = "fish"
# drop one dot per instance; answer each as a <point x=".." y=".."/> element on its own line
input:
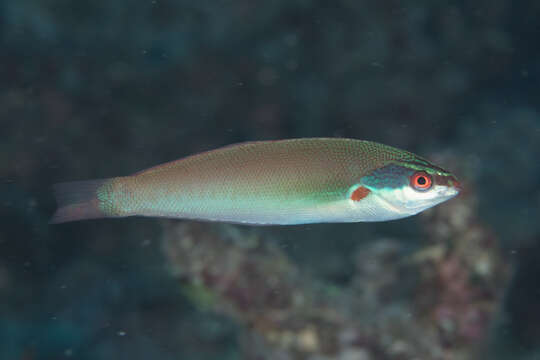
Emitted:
<point x="277" y="182"/>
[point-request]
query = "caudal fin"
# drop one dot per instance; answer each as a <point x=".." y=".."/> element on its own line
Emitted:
<point x="77" y="200"/>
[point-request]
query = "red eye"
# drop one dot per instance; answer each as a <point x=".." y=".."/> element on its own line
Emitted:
<point x="421" y="181"/>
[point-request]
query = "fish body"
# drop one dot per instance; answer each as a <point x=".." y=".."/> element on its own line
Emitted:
<point x="294" y="181"/>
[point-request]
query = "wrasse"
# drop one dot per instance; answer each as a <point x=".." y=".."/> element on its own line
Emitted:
<point x="295" y="181"/>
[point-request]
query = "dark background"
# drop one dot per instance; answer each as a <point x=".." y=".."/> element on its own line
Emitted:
<point x="94" y="89"/>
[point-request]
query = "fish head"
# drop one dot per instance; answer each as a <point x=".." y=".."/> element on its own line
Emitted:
<point x="405" y="188"/>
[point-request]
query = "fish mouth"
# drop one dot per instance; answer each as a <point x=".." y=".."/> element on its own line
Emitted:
<point x="452" y="191"/>
<point x="454" y="184"/>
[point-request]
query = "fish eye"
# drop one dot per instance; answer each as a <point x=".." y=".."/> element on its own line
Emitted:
<point x="421" y="181"/>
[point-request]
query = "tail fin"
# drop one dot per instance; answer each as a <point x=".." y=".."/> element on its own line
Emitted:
<point x="77" y="200"/>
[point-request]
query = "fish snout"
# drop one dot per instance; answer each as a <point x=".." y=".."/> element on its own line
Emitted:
<point x="456" y="185"/>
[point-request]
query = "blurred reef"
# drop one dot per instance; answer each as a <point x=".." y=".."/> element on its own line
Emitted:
<point x="94" y="89"/>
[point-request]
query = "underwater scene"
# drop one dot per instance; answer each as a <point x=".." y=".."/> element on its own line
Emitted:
<point x="269" y="180"/>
